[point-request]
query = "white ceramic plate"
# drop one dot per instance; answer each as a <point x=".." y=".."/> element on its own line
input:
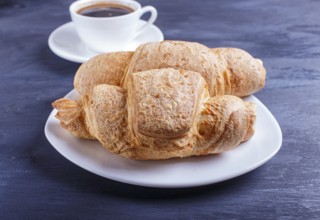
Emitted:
<point x="65" y="42"/>
<point x="186" y="172"/>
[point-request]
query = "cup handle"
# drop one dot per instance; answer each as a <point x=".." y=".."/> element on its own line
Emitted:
<point x="153" y="17"/>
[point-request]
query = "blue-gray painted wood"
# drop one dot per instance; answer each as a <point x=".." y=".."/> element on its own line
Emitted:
<point x="36" y="182"/>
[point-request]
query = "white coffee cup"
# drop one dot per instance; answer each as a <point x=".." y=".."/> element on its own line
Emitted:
<point x="107" y="34"/>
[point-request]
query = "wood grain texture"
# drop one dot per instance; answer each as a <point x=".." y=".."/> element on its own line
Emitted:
<point x="38" y="183"/>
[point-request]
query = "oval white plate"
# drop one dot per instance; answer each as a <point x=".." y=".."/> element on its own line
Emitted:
<point x="186" y="172"/>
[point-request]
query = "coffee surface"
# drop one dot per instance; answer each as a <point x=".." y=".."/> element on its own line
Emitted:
<point x="105" y="10"/>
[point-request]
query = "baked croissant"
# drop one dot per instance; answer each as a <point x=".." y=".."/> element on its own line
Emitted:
<point x="167" y="99"/>
<point x="163" y="113"/>
<point x="227" y="71"/>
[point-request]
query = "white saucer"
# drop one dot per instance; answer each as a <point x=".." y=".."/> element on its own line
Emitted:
<point x="65" y="43"/>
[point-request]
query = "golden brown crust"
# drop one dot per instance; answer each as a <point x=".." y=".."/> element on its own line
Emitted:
<point x="72" y="117"/>
<point x="107" y="116"/>
<point x="163" y="108"/>
<point x="173" y="54"/>
<point x="227" y="71"/>
<point x="102" y="69"/>
<point x="164" y="101"/>
<point x="240" y="73"/>
<point x="218" y="124"/>
<point x="224" y="122"/>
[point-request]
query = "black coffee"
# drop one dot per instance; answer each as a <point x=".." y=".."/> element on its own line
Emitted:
<point x="102" y="10"/>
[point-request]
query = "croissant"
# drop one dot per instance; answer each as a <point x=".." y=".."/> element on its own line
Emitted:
<point x="227" y="71"/>
<point x="163" y="113"/>
<point x="165" y="100"/>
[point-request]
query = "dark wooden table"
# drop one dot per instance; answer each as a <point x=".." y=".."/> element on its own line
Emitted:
<point x="36" y="182"/>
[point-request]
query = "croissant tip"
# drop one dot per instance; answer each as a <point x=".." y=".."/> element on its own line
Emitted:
<point x="68" y="110"/>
